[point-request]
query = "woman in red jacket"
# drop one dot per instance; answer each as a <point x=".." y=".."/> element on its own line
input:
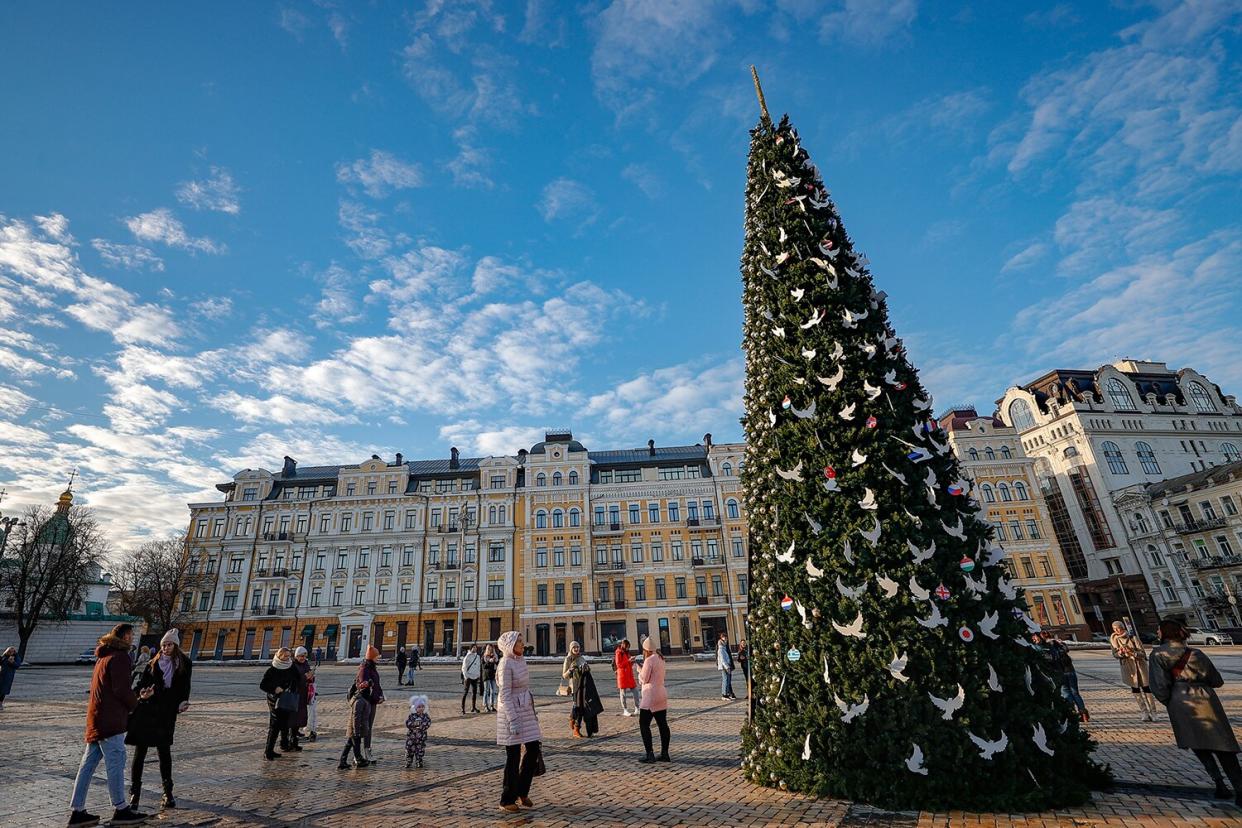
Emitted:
<point x="624" y="666"/>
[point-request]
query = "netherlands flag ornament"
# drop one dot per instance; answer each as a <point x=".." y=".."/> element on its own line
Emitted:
<point x="787" y="603"/>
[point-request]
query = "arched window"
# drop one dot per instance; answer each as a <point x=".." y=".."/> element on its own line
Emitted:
<point x="1070" y="451"/>
<point x="1154" y="556"/>
<point x="731" y="509"/>
<point x="491" y="515"/>
<point x="1020" y="416"/>
<point x="558" y="519"/>
<point x="1006" y="453"/>
<point x="541" y="479"/>
<point x="1231" y="452"/>
<point x="1019" y="490"/>
<point x="989" y="496"/>
<point x="1003" y="488"/>
<point x="988" y="453"/>
<point x="1140" y="523"/>
<point x="1201" y="399"/>
<point x="1120" y="395"/>
<point x="557" y="479"/>
<point x="727" y="470"/>
<point x="1147" y="457"/>
<point x="1112" y="453"/>
<point x="503" y="519"/>
<point x="974" y="454"/>
<point x="573" y="478"/>
<point x="541" y="519"/>
<point x="1167" y="589"/>
<point x="575" y="517"/>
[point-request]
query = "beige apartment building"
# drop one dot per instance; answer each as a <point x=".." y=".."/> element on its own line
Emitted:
<point x="1007" y="490"/>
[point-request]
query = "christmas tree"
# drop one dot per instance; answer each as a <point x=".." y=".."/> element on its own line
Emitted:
<point x="890" y="653"/>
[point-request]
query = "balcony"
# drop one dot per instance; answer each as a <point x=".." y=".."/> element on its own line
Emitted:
<point x="701" y="600"/>
<point x="1216" y="562"/>
<point x="451" y="527"/>
<point x="705" y="523"/>
<point x="450" y="604"/>
<point x="280" y="536"/>
<point x="268" y="611"/>
<point x="280" y="573"/>
<point x="715" y="560"/>
<point x="1190" y="527"/>
<point x="603" y="605"/>
<point x="434" y="603"/>
<point x="610" y="566"/>
<point x="261" y="573"/>
<point x="443" y="566"/>
<point x="619" y="603"/>
<point x="607" y="528"/>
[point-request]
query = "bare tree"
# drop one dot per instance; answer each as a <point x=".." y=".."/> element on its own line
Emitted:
<point x="46" y="569"/>
<point x="153" y="579"/>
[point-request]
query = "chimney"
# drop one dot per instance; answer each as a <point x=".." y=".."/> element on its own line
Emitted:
<point x="400" y="457"/>
<point x="707" y="441"/>
<point x="651" y="447"/>
<point x="453" y="462"/>
<point x="291" y="467"/>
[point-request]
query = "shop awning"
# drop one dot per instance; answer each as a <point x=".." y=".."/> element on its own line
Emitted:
<point x="330" y="631"/>
<point x="309" y="629"/>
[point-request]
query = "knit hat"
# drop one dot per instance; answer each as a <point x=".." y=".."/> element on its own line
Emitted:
<point x="649" y="645"/>
<point x="281" y="664"/>
<point x="505" y="643"/>
<point x="299" y="651"/>
<point x="372" y="653"/>
<point x="415" y="701"/>
<point x="171" y="637"/>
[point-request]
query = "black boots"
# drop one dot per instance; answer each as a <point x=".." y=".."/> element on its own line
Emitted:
<point x="168" y="801"/>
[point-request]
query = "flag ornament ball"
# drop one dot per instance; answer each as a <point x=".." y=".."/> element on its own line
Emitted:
<point x="787" y="603"/>
<point x="793" y="654"/>
<point x="967" y="563"/>
<point x="942" y="592"/>
<point x="966" y="634"/>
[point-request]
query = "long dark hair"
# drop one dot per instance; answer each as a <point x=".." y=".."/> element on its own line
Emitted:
<point x="178" y="658"/>
<point x="1173" y="630"/>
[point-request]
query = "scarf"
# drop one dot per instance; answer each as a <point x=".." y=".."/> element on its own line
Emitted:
<point x="281" y="665"/>
<point x="167" y="665"/>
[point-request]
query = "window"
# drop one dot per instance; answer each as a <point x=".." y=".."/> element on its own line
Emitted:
<point x="1147" y="457"/>
<point x="187" y="599"/>
<point x="557" y="479"/>
<point x="677" y="550"/>
<point x="342" y="559"/>
<point x="602" y="591"/>
<point x="661" y="590"/>
<point x="575" y="518"/>
<point x="1003" y="489"/>
<point x="1113" y="565"/>
<point x="1019" y="490"/>
<point x="338" y="593"/>
<point x="680" y="584"/>
<point x="1020" y="415"/>
<point x="541" y="595"/>
<point x="1209" y="512"/>
<point x="1027" y="570"/>
<point x="235" y="566"/>
<point x="634" y="514"/>
<point x="1000" y="532"/>
<point x="742" y="583"/>
<point x="1226" y="501"/>
<point x="973" y="454"/>
<point x="541" y="519"/>
<point x="738" y="550"/>
<point x="732" y="510"/>
<point x="558" y="556"/>
<point x="575" y="556"/>
<point x="1232" y="455"/>
<point x="1016" y="529"/>
<point x="657" y="550"/>
<point x="558" y="519"/>
<point x="1120" y="396"/>
<point x="1006" y="453"/>
<point x="250" y="493"/>
<point x="541" y="556"/>
<point x="291" y="598"/>
<point x="640" y="589"/>
<point x="404" y="594"/>
<point x="614" y="515"/>
<point x="636" y="552"/>
<point x="217" y="528"/>
<point x="349" y="489"/>
<point x="230" y="601"/>
<point x="989" y="495"/>
<point x="347" y="522"/>
<point x="1112" y="454"/>
<point x="573" y="478"/>
<point x="368" y="521"/>
<point x="599" y="515"/>
<point x="497" y="481"/>
<point x="390" y="520"/>
<point x="1167" y="589"/>
<point x="577" y="593"/>
<point x="364" y="558"/>
<point x="1154" y="556"/>
<point x="653" y="512"/>
<point x="727" y="469"/>
<point x="1222" y="544"/>
<point x="1032" y="529"/>
<point x="700" y="587"/>
<point x="386" y="557"/>
<point x="496" y="590"/>
<point x="1201" y="399"/>
<point x="541" y="479"/>
<point x="433" y="592"/>
<point x="628" y="475"/>
<point x="407" y="556"/>
<point x="674" y="512"/>
<point x="988" y="453"/>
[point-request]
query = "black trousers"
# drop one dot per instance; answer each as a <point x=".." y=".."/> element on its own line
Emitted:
<point x="278" y="725"/>
<point x="140" y="757"/>
<point x="354" y="743"/>
<point x="519" y="771"/>
<point x="1228" y="761"/>
<point x="644" y="725"/>
<point x="471" y="689"/>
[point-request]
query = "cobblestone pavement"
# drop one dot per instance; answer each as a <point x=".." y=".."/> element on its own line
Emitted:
<point x="222" y="779"/>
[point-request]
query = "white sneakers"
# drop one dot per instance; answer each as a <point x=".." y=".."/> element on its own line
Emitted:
<point x="626" y="712"/>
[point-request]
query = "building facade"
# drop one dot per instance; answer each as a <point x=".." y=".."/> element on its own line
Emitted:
<point x="559" y="542"/>
<point x="1102" y="436"/>
<point x="1006" y="488"/>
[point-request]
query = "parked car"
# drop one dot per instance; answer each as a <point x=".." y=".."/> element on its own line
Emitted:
<point x="1099" y="636"/>
<point x="86" y="657"/>
<point x="1209" y="638"/>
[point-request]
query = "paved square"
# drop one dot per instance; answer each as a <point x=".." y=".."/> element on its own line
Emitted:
<point x="222" y="779"/>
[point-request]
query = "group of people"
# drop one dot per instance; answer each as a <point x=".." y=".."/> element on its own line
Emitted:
<point x="131" y="704"/>
<point x="726" y="663"/>
<point x="478" y="670"/>
<point x="407" y="663"/>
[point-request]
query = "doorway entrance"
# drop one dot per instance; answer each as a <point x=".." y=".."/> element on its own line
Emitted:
<point x="355" y="643"/>
<point x="542" y="639"/>
<point x="713" y="626"/>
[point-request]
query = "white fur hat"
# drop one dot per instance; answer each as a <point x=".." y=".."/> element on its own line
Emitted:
<point x="649" y="645"/>
<point x="172" y="636"/>
<point x="415" y="701"/>
<point x="299" y="651"/>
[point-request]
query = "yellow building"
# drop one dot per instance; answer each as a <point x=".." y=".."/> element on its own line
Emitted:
<point x="1006" y="488"/>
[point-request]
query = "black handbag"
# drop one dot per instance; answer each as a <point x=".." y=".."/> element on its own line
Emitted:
<point x="540" y="770"/>
<point x="287" y="701"/>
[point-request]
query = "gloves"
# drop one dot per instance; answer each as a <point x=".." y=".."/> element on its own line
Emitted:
<point x="513" y="729"/>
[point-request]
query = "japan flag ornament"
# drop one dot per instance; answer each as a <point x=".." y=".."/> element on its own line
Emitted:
<point x="966" y="634"/>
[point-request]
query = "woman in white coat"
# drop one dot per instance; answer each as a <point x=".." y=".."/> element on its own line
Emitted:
<point x="517" y="724"/>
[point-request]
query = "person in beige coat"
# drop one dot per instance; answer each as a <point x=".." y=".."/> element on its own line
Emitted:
<point x="1129" y="651"/>
<point x="1184" y="680"/>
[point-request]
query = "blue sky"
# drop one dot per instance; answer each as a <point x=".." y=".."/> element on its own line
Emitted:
<point x="330" y="229"/>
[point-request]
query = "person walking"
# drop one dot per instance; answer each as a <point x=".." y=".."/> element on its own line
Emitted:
<point x="306" y="701"/>
<point x="490" y="662"/>
<point x="358" y="726"/>
<point x="140" y="657"/>
<point x="411" y="663"/>
<point x="416" y="726"/>
<point x="9" y="662"/>
<point x="471" y="672"/>
<point x="584" y="715"/>
<point x="107" y="716"/>
<point x="654" y="703"/>
<point x="1062" y="666"/>
<point x="416" y="662"/>
<point x="1129" y="651"/>
<point x="623" y="665"/>
<point x="283" y="686"/>
<point x="743" y="659"/>
<point x="517" y="724"/>
<point x="401" y="662"/>
<point x="154" y="721"/>
<point x="368" y="676"/>
<point x="1184" y="680"/>
<point x="724" y="663"/>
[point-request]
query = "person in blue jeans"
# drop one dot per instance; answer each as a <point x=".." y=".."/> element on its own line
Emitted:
<point x="1062" y="666"/>
<point x="107" y="719"/>
<point x="724" y="663"/>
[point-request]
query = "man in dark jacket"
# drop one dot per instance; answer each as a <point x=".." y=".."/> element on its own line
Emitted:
<point x="107" y="717"/>
<point x="401" y="661"/>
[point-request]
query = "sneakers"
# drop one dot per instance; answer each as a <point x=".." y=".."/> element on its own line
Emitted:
<point x="725" y="698"/>
<point x="525" y="802"/>
<point x="127" y="816"/>
<point x="168" y="801"/>
<point x="82" y="819"/>
<point x="419" y="763"/>
<point x="627" y="713"/>
<point x="664" y="758"/>
<point x="511" y="808"/>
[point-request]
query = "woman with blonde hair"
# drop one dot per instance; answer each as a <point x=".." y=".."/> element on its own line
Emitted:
<point x="283" y="686"/>
<point x="517" y="724"/>
<point x="584" y="715"/>
<point x="654" y="703"/>
<point x="490" y="661"/>
<point x="1128" y="649"/>
<point x="154" y="720"/>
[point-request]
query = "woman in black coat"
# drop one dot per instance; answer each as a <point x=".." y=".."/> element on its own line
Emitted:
<point x="154" y="720"/>
<point x="281" y="680"/>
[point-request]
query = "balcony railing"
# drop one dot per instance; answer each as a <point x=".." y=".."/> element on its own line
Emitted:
<point x="434" y="603"/>
<point x="713" y="560"/>
<point x="619" y="603"/>
<point x="450" y="604"/>
<point x="441" y="566"/>
<point x="610" y="566"/>
<point x="268" y="610"/>
<point x="703" y="522"/>
<point x="260" y="573"/>
<point x="701" y="600"/>
<point x="1192" y="526"/>
<point x="451" y="527"/>
<point x="1216" y="561"/>
<point x="280" y="536"/>
<point x="615" y="528"/>
<point x="603" y="605"/>
<point x="280" y="573"/>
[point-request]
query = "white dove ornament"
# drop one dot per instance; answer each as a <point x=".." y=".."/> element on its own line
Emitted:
<point x="987" y="625"/>
<point x="888" y="585"/>
<point x="989" y="749"/>
<point x="812" y="571"/>
<point x="831" y="382"/>
<point x="873" y="537"/>
<point x="915" y="763"/>
<point x="787" y="556"/>
<point x="917" y="591"/>
<point x="948" y="707"/>
<point x="851" y="593"/>
<point x="868" y="501"/>
<point x="850" y="712"/>
<point x="933" y="620"/>
<point x="898" y="665"/>
<point x="1040" y="738"/>
<point x="852" y="630"/>
<point x="994" y="680"/>
<point x="794" y="474"/>
<point x="806" y="748"/>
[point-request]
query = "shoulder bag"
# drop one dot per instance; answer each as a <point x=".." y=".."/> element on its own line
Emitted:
<point x="288" y="701"/>
<point x="1176" y="671"/>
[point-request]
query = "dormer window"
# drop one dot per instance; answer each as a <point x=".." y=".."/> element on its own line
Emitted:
<point x="1120" y="395"/>
<point x="1201" y="400"/>
<point x="250" y="493"/>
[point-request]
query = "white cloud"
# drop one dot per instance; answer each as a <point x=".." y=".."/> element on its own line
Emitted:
<point x="470" y="165"/>
<point x="336" y="305"/>
<point x="679" y="402"/>
<point x="645" y="179"/>
<point x="567" y="199"/>
<point x="160" y="225"/>
<point x="293" y="21"/>
<point x="217" y="192"/>
<point x="213" y="307"/>
<point x="278" y="409"/>
<point x="380" y="173"/>
<point x="309" y="446"/>
<point x="418" y="272"/>
<point x="1024" y="258"/>
<point x="472" y="437"/>
<point x="1095" y="232"/>
<point x="14" y="402"/>
<point x="868" y="22"/>
<point x="368" y="240"/>
<point x="129" y="256"/>
<point x="25" y="367"/>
